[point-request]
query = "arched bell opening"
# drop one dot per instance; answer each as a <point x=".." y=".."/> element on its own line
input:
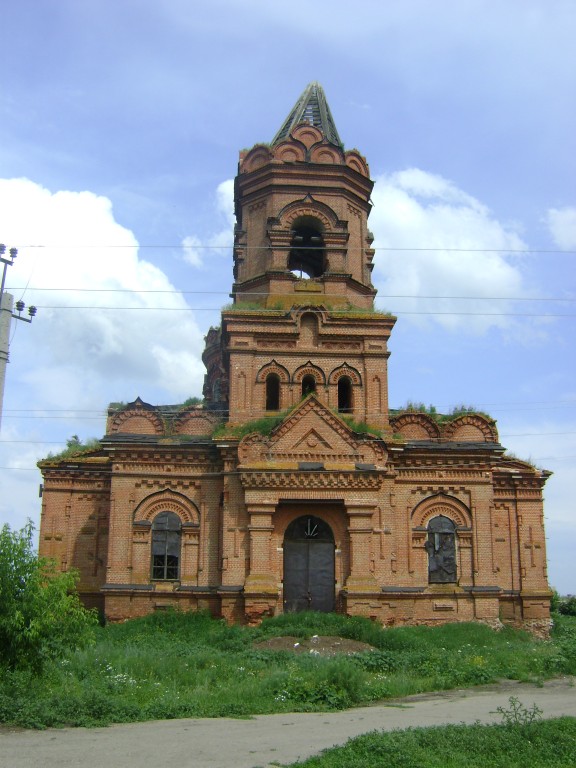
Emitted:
<point x="307" y="255"/>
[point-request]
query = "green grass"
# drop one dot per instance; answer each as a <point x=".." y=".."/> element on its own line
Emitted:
<point x="544" y="744"/>
<point x="75" y="447"/>
<point x="171" y="664"/>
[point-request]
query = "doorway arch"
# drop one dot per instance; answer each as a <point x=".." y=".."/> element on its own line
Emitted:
<point x="309" y="576"/>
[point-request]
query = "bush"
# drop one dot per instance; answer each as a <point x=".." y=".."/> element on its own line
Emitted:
<point x="41" y="617"/>
<point x="567" y="606"/>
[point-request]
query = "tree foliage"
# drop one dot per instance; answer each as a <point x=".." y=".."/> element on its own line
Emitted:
<point x="41" y="616"/>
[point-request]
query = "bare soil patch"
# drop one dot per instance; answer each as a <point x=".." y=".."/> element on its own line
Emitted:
<point x="318" y="645"/>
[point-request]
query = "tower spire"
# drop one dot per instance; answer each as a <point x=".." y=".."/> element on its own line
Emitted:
<point x="312" y="108"/>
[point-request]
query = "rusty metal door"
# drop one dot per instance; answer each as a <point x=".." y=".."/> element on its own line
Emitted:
<point x="309" y="583"/>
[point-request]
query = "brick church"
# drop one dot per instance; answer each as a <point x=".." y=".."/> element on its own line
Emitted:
<point x="293" y="486"/>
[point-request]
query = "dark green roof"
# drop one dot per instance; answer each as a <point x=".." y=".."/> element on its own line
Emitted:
<point x="312" y="108"/>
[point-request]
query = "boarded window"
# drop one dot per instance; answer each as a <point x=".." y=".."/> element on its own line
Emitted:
<point x="441" y="547"/>
<point x="166" y="531"/>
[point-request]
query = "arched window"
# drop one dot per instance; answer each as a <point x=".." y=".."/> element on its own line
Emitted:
<point x="216" y="391"/>
<point x="441" y="548"/>
<point x="308" y="384"/>
<point x="345" y="404"/>
<point x="272" y="392"/>
<point x="307" y="248"/>
<point x="166" y="530"/>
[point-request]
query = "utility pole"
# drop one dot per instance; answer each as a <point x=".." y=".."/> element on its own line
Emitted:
<point x="6" y="315"/>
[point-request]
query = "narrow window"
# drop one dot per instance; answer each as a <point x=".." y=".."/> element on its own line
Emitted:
<point x="272" y="392"/>
<point x="441" y="548"/>
<point x="308" y="384"/>
<point x="345" y="394"/>
<point x="166" y="546"/>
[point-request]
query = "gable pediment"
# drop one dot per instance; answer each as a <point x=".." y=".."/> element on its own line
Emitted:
<point x="311" y="433"/>
<point x="313" y="440"/>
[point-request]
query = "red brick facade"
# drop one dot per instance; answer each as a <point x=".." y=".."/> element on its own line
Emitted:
<point x="402" y="517"/>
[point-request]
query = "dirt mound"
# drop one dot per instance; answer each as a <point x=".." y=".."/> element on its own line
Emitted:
<point x="318" y="645"/>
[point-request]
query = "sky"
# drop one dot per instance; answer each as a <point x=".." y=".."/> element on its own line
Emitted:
<point x="120" y="128"/>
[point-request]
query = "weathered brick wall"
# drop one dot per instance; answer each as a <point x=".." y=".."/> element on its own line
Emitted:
<point x="74" y="522"/>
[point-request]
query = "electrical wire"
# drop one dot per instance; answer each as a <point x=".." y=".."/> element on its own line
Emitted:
<point x="241" y="246"/>
<point x="381" y="296"/>
<point x="391" y="312"/>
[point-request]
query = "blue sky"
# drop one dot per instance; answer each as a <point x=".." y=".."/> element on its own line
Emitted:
<point x="120" y="127"/>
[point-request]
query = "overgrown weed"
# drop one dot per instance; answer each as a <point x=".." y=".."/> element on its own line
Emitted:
<point x="175" y="664"/>
<point x="540" y="744"/>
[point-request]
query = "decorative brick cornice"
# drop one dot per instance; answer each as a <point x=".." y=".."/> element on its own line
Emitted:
<point x="306" y="480"/>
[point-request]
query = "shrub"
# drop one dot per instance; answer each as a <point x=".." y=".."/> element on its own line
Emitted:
<point x="567" y="606"/>
<point x="41" y="617"/>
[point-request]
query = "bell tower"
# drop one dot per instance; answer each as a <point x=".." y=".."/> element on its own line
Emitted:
<point x="302" y="319"/>
<point x="302" y="205"/>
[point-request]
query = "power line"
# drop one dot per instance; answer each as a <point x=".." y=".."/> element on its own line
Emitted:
<point x="231" y="246"/>
<point x="332" y="311"/>
<point x="175" y="292"/>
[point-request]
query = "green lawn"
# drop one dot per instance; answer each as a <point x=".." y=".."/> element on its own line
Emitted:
<point x="544" y="744"/>
<point x="172" y="665"/>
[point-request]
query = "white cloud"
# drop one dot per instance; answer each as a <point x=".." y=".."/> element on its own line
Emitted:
<point x="562" y="225"/>
<point x="448" y="245"/>
<point x="111" y="327"/>
<point x="111" y="321"/>
<point x="199" y="250"/>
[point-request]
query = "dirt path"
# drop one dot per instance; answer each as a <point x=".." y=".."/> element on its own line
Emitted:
<point x="268" y="739"/>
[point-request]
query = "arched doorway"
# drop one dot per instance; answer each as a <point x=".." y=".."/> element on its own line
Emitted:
<point x="309" y="566"/>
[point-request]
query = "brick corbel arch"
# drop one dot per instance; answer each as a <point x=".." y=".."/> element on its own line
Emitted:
<point x="144" y="420"/>
<point x="309" y="369"/>
<point x="469" y="423"/>
<point x="167" y="501"/>
<point x="319" y="312"/>
<point x="273" y="367"/>
<point x="326" y="153"/>
<point x="307" y="134"/>
<point x="195" y="421"/>
<point x="345" y="370"/>
<point x="358" y="163"/>
<point x="441" y="504"/>
<point x="409" y="424"/>
<point x="255" y="158"/>
<point x="290" y="152"/>
<point x="309" y="208"/>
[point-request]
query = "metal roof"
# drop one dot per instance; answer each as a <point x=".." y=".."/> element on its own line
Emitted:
<point x="312" y="108"/>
